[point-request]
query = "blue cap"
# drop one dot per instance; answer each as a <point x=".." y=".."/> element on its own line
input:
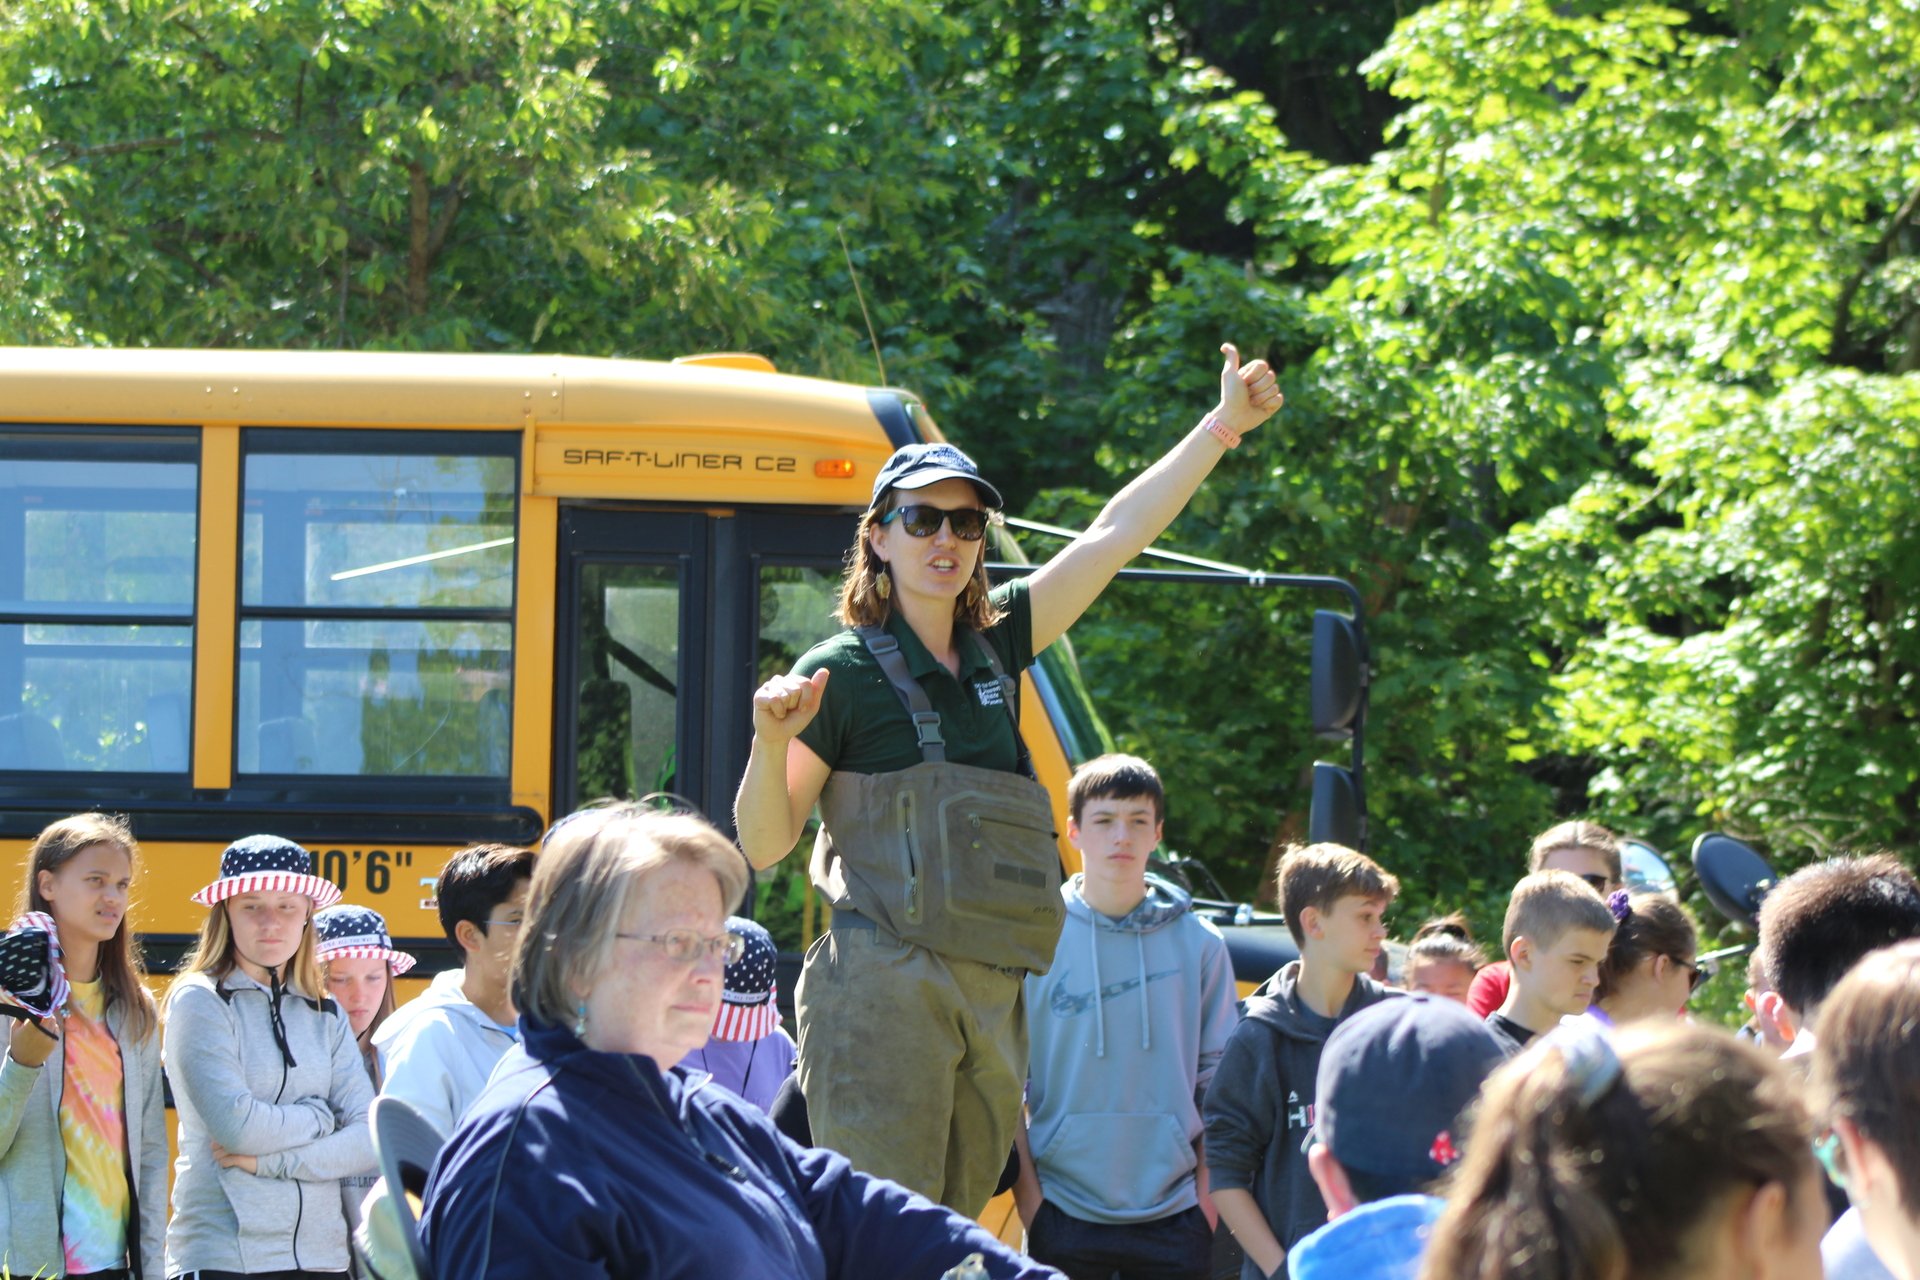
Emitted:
<point x="1393" y="1081"/>
<point x="915" y="466"/>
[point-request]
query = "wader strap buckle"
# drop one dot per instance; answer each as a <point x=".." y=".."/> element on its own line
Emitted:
<point x="926" y="730"/>
<point x="926" y="721"/>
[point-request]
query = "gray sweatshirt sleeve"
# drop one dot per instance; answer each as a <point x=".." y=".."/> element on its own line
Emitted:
<point x="1240" y="1109"/>
<point x="152" y="1173"/>
<point x="348" y="1150"/>
<point x="202" y="1055"/>
<point x="16" y="1083"/>
<point x="1219" y="1014"/>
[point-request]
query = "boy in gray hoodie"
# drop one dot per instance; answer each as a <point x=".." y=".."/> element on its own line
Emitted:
<point x="1260" y="1108"/>
<point x="437" y="1050"/>
<point x="1126" y="1029"/>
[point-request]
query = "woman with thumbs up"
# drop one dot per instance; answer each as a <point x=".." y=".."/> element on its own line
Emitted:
<point x="936" y="846"/>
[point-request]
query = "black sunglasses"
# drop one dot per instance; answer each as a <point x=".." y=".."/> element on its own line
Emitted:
<point x="969" y="524"/>
<point x="1695" y="973"/>
<point x="1600" y="884"/>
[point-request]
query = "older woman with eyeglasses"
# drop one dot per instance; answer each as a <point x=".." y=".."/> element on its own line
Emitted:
<point x="592" y="1153"/>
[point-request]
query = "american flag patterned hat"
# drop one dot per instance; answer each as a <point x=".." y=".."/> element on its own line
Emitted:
<point x="347" y="931"/>
<point x="30" y="969"/>
<point x="267" y="864"/>
<point x="747" y="1007"/>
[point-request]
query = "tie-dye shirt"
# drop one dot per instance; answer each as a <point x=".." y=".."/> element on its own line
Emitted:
<point x="93" y="1127"/>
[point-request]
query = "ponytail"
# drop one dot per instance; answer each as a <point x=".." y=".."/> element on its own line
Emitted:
<point x="1591" y="1163"/>
<point x="1446" y="938"/>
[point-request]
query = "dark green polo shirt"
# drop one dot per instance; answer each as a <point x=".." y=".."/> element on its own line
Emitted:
<point x="863" y="727"/>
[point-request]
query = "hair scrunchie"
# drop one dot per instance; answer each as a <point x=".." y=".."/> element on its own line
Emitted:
<point x="1586" y="1051"/>
<point x="1619" y="902"/>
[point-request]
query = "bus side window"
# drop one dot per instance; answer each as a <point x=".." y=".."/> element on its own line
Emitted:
<point x="97" y="552"/>
<point x="376" y="612"/>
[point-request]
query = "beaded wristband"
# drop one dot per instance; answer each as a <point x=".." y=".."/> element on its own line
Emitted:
<point x="1225" y="434"/>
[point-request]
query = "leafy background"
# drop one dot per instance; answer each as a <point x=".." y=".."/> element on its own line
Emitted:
<point x="1598" y="322"/>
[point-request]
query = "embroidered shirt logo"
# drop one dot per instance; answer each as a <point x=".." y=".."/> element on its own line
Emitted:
<point x="1299" y="1114"/>
<point x="990" y="693"/>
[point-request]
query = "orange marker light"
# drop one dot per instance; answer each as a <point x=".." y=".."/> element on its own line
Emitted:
<point x="834" y="468"/>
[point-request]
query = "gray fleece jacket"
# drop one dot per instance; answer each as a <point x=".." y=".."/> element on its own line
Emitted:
<point x="33" y="1158"/>
<point x="1260" y="1107"/>
<point x="306" y="1120"/>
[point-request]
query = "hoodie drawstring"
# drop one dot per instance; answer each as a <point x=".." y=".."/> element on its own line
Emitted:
<point x="1099" y="993"/>
<point x="1099" y="1001"/>
<point x="275" y="990"/>
<point x="1146" y="1006"/>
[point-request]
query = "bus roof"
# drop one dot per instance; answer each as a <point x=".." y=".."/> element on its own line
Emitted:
<point x="705" y="430"/>
<point x="375" y="388"/>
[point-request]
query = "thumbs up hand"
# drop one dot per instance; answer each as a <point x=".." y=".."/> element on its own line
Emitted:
<point x="1249" y="394"/>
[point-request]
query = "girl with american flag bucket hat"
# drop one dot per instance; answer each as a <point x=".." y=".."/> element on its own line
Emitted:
<point x="358" y="962"/>
<point x="270" y="1088"/>
<point x="749" y="1052"/>
<point x="347" y="931"/>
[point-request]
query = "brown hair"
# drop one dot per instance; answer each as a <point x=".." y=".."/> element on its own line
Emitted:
<point x="1818" y="923"/>
<point x="214" y="954"/>
<point x="1550" y="1189"/>
<point x="1446" y="938"/>
<point x="1654" y="925"/>
<point x="1319" y="875"/>
<point x="122" y="974"/>
<point x="589" y="868"/>
<point x="1866" y="1059"/>
<point x="1115" y="777"/>
<point x="862" y="605"/>
<point x="1578" y="834"/>
<point x="1546" y="904"/>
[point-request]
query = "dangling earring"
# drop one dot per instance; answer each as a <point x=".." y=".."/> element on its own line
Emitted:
<point x="580" y="1020"/>
<point x="883" y="582"/>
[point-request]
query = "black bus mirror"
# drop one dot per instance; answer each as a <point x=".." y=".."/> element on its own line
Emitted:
<point x="1336" y="676"/>
<point x="1335" y="815"/>
<point x="1734" y="876"/>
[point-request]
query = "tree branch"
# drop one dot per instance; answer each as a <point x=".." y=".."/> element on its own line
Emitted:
<point x="73" y="151"/>
<point x="420" y="232"/>
<point x="444" y="223"/>
<point x="1843" y="306"/>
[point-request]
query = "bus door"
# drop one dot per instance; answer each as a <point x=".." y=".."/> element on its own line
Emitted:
<point x="668" y="620"/>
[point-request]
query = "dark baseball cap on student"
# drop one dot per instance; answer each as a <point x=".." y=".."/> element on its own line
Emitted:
<point x="1393" y="1080"/>
<point x="915" y="466"/>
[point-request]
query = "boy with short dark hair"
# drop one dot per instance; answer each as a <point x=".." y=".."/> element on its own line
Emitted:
<point x="1818" y="923"/>
<point x="1126" y="1030"/>
<point x="1556" y="934"/>
<point x="1260" y="1107"/>
<point x="437" y="1051"/>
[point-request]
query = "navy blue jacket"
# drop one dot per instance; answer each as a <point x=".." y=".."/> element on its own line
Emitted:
<point x="580" y="1164"/>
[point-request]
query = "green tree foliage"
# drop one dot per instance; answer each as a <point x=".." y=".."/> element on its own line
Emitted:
<point x="1603" y="391"/>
